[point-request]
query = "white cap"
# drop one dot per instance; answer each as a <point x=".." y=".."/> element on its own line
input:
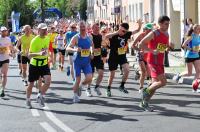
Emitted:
<point x="3" y="29"/>
<point x="42" y="26"/>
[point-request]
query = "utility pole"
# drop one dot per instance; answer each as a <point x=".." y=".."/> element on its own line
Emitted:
<point x="42" y="9"/>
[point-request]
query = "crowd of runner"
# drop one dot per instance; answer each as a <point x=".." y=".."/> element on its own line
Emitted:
<point x="88" y="49"/>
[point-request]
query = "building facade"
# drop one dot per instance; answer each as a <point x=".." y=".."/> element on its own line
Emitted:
<point x="117" y="11"/>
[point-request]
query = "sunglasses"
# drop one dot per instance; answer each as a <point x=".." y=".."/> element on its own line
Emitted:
<point x="73" y="27"/>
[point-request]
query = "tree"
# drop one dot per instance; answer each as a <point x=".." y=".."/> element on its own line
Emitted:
<point x="82" y="9"/>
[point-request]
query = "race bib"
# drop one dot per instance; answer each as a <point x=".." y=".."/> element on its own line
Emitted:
<point x="161" y="47"/>
<point x="85" y="52"/>
<point x="97" y="52"/>
<point x="3" y="50"/>
<point x="196" y="48"/>
<point x="121" y="51"/>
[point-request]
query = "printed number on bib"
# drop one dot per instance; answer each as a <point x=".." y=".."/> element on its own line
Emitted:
<point x="85" y="52"/>
<point x="196" y="48"/>
<point x="121" y="51"/>
<point x="161" y="47"/>
<point x="97" y="52"/>
<point x="3" y="50"/>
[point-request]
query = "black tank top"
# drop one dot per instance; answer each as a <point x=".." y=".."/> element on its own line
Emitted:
<point x="97" y="39"/>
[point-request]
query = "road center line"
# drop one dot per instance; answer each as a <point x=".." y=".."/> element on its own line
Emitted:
<point x="55" y="120"/>
<point x="35" y="112"/>
<point x="47" y="127"/>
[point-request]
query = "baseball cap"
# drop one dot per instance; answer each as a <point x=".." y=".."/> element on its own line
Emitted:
<point x="42" y="26"/>
<point x="3" y="29"/>
<point x="148" y="26"/>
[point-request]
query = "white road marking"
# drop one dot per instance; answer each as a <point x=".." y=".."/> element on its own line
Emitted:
<point x="55" y="120"/>
<point x="47" y="127"/>
<point x="35" y="112"/>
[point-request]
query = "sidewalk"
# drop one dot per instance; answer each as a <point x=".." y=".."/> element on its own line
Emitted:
<point x="176" y="65"/>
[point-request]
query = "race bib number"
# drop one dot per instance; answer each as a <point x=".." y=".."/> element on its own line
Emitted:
<point x="85" y="52"/>
<point x="121" y="51"/>
<point x="3" y="50"/>
<point x="97" y="52"/>
<point x="161" y="47"/>
<point x="196" y="48"/>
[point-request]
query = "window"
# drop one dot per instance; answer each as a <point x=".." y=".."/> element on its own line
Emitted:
<point x="140" y="10"/>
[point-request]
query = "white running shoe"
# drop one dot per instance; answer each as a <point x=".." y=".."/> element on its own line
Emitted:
<point x="76" y="99"/>
<point x="88" y="92"/>
<point x="28" y="104"/>
<point x="97" y="90"/>
<point x="40" y="100"/>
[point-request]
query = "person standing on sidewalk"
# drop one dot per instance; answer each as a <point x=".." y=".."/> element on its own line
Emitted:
<point x="192" y="58"/>
<point x="81" y="44"/>
<point x="24" y="42"/>
<point x="38" y="67"/>
<point x="6" y="50"/>
<point x="158" y="43"/>
<point x="117" y="56"/>
<point x="141" y="56"/>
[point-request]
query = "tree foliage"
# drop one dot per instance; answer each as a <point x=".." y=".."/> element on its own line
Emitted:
<point x="68" y="8"/>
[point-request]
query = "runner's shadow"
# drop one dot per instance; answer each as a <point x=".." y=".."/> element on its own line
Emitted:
<point x="97" y="116"/>
<point x="61" y="82"/>
<point x="174" y="113"/>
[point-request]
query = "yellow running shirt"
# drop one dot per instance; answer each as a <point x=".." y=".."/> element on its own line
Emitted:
<point x="25" y="44"/>
<point x="39" y="44"/>
<point x="52" y="39"/>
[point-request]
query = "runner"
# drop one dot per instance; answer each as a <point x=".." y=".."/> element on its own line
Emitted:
<point x="59" y="41"/>
<point x="68" y="38"/>
<point x="19" y="56"/>
<point x="6" y="49"/>
<point x="158" y="43"/>
<point x="52" y="47"/>
<point x="97" y="61"/>
<point x="81" y="45"/>
<point x="39" y="65"/>
<point x="24" y="42"/>
<point x="141" y="56"/>
<point x="117" y="55"/>
<point x="192" y="58"/>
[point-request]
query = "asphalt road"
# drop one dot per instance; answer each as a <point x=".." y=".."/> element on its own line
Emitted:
<point x="176" y="108"/>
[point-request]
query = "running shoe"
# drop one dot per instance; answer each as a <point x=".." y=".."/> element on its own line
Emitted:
<point x="140" y="89"/>
<point x="108" y="93"/>
<point x="28" y="104"/>
<point x="68" y="71"/>
<point x="145" y="106"/>
<point x="145" y="95"/>
<point x="40" y="100"/>
<point x="88" y="93"/>
<point x="79" y="91"/>
<point x="97" y="90"/>
<point x="2" y="94"/>
<point x="76" y="99"/>
<point x="195" y="85"/>
<point x="177" y="77"/>
<point x="137" y="75"/>
<point x="25" y="83"/>
<point x="122" y="89"/>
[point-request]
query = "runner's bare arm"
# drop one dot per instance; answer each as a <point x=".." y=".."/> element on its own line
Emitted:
<point x="144" y="41"/>
<point x="139" y="27"/>
<point x="136" y="41"/>
<point x="186" y="42"/>
<point x="18" y="44"/>
<point x="72" y="44"/>
<point x="110" y="35"/>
